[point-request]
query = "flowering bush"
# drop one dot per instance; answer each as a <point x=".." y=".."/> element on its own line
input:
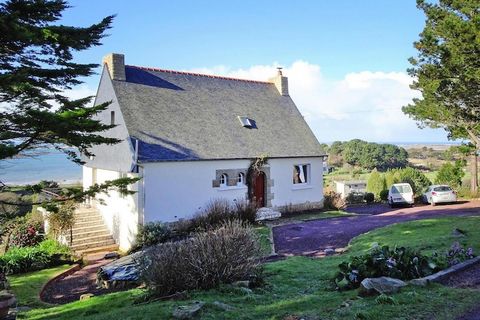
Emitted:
<point x="401" y="263"/>
<point x="26" y="235"/>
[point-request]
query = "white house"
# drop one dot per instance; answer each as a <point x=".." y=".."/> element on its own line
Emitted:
<point x="191" y="138"/>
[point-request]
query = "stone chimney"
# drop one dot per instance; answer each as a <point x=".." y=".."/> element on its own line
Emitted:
<point x="280" y="82"/>
<point x="116" y="65"/>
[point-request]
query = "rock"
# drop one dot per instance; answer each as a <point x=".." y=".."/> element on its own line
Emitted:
<point x="241" y="284"/>
<point x="421" y="282"/>
<point x="329" y="251"/>
<point x="223" y="306"/>
<point x="267" y="214"/>
<point x="86" y="296"/>
<point x="458" y="233"/>
<point x="111" y="255"/>
<point x="380" y="285"/>
<point x="189" y="311"/>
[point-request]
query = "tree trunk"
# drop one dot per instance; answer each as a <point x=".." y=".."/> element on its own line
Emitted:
<point x="474" y="172"/>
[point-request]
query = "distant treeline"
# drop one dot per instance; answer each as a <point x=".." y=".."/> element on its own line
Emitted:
<point x="366" y="155"/>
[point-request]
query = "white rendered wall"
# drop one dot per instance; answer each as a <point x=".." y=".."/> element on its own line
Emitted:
<point x="285" y="192"/>
<point x="119" y="212"/>
<point x="176" y="190"/>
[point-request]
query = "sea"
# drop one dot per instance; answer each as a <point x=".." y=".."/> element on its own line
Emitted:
<point x="42" y="165"/>
<point x="54" y="165"/>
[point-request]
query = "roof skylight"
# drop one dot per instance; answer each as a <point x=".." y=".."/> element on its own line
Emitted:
<point x="247" y="122"/>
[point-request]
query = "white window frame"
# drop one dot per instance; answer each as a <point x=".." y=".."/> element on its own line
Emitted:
<point x="240" y="179"/>
<point x="224" y="180"/>
<point x="307" y="172"/>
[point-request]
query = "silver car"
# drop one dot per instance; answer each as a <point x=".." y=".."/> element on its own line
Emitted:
<point x="439" y="194"/>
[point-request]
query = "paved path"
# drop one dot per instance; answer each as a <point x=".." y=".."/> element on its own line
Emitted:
<point x="313" y="237"/>
<point x="70" y="288"/>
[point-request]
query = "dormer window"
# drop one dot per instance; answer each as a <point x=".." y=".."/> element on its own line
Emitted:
<point x="241" y="179"/>
<point x="112" y="117"/>
<point x="247" y="122"/>
<point x="223" y="180"/>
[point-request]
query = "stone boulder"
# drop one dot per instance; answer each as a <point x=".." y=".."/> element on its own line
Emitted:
<point x="382" y="285"/>
<point x="189" y="311"/>
<point x="267" y="214"/>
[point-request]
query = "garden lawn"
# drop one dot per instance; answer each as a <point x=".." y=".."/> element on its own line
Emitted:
<point x="27" y="286"/>
<point x="301" y="286"/>
<point x="264" y="234"/>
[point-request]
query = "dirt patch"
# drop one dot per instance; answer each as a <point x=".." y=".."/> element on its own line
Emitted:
<point x="467" y="278"/>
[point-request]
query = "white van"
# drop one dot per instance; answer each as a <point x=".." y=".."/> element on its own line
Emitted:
<point x="400" y="193"/>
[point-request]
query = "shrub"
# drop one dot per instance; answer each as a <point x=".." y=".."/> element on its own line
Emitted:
<point x="46" y="254"/>
<point x="415" y="178"/>
<point x="369" y="197"/>
<point x="401" y="263"/>
<point x="203" y="261"/>
<point x="376" y="183"/>
<point x="384" y="195"/>
<point x="152" y="233"/>
<point x="354" y="197"/>
<point x="246" y="211"/>
<point x="450" y="174"/>
<point x="63" y="219"/>
<point x="26" y="234"/>
<point x="333" y="200"/>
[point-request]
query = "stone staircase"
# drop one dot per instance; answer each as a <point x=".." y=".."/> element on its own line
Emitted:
<point x="90" y="233"/>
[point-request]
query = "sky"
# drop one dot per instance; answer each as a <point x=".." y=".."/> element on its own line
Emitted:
<point x="346" y="60"/>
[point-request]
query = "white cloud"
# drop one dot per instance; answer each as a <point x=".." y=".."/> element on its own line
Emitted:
<point x="365" y="105"/>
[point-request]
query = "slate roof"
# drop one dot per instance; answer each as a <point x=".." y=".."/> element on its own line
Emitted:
<point x="186" y="116"/>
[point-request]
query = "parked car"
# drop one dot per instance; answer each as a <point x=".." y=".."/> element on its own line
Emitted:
<point x="439" y="194"/>
<point x="400" y="193"/>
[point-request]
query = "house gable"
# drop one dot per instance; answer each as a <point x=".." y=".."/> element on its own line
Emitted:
<point x="117" y="157"/>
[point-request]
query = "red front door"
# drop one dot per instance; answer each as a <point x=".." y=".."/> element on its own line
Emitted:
<point x="259" y="189"/>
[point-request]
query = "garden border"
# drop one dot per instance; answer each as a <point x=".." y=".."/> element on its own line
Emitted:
<point x="439" y="276"/>
<point x="74" y="268"/>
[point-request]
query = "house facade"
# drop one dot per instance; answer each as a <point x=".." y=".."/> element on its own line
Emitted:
<point x="191" y="138"/>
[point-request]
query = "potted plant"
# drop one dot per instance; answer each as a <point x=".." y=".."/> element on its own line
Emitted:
<point x="6" y="301"/>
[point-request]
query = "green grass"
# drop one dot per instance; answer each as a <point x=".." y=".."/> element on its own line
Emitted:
<point x="301" y="286"/>
<point x="264" y="236"/>
<point x="26" y="286"/>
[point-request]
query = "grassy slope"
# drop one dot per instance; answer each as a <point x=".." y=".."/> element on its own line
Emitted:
<point x="27" y="286"/>
<point x="301" y="286"/>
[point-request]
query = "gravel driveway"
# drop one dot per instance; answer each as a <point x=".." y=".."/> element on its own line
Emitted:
<point x="313" y="237"/>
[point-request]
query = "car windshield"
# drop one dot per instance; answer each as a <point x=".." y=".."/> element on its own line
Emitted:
<point x="442" y="188"/>
<point x="401" y="189"/>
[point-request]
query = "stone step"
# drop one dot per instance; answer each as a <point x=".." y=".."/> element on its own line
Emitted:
<point x="89" y="223"/>
<point x="89" y="227"/>
<point x="91" y="239"/>
<point x="108" y="248"/>
<point x="87" y="235"/>
<point x="93" y="219"/>
<point x="93" y="245"/>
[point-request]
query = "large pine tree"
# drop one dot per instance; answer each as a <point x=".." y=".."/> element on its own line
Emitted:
<point x="446" y="71"/>
<point x="36" y="68"/>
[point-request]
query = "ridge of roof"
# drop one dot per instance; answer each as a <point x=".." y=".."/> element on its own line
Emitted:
<point x="197" y="74"/>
